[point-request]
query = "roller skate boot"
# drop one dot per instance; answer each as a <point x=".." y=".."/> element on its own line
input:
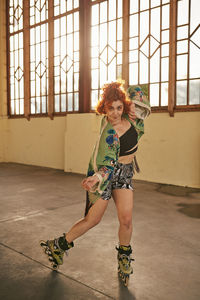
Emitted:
<point x="55" y="250"/>
<point x="124" y="263"/>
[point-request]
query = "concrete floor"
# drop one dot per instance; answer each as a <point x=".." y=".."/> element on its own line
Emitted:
<point x="41" y="203"/>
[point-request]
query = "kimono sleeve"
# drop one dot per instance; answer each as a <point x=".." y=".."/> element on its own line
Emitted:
<point x="106" y="158"/>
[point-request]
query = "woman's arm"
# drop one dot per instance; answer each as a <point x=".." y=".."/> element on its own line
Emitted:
<point x="131" y="113"/>
<point x="102" y="164"/>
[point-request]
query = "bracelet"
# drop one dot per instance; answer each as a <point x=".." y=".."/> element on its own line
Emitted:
<point x="98" y="175"/>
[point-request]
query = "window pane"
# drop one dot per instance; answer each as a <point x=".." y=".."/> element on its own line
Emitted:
<point x="194" y="61"/>
<point x="112" y="76"/>
<point x="164" y="94"/>
<point x="144" y="4"/>
<point x="182" y="47"/>
<point x="155" y="67"/>
<point x="155" y="3"/>
<point x="144" y="29"/>
<point x="133" y="6"/>
<point x="165" y="50"/>
<point x="63" y="102"/>
<point x="95" y="76"/>
<point x="154" y="94"/>
<point x="17" y="74"/>
<point x="133" y="56"/>
<point x="165" y="16"/>
<point x="70" y="102"/>
<point x="94" y="98"/>
<point x="103" y="12"/>
<point x="106" y="44"/>
<point x="95" y="36"/>
<point x="112" y="34"/>
<point x="95" y="14"/>
<point x="133" y="73"/>
<point x="194" y="91"/>
<point x="165" y="69"/>
<point x="182" y="32"/>
<point x="143" y="69"/>
<point x="133" y="31"/>
<point x="76" y="101"/>
<point x="112" y="9"/>
<point x="149" y="68"/>
<point x="155" y="23"/>
<point x="66" y="59"/>
<point x="57" y="103"/>
<point x="76" y="21"/>
<point x="194" y="15"/>
<point x="133" y="44"/>
<point x="182" y="12"/>
<point x="181" y="92"/>
<point x="165" y="36"/>
<point x="182" y="66"/>
<point x="193" y="39"/>
<point x="39" y="60"/>
<point x="120" y="8"/>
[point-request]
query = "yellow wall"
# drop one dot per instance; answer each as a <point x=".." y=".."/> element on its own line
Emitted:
<point x="170" y="149"/>
<point x="38" y="142"/>
<point x="80" y="136"/>
<point x="169" y="152"/>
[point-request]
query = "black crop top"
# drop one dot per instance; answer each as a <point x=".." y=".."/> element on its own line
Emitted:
<point x="128" y="141"/>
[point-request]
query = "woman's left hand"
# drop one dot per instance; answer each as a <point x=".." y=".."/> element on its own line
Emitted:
<point x="131" y="113"/>
<point x="89" y="182"/>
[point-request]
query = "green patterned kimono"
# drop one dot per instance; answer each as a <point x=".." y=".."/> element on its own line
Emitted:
<point x="106" y="152"/>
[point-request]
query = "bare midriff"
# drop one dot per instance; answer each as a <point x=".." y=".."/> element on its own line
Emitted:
<point x="126" y="159"/>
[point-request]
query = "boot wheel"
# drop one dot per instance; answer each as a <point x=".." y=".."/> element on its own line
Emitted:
<point x="48" y="252"/>
<point x="43" y="244"/>
<point x="54" y="266"/>
<point x="126" y="280"/>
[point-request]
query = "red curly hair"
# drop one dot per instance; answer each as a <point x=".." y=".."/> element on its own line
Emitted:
<point x="112" y="92"/>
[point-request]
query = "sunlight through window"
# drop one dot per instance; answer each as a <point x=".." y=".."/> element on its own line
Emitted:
<point x="106" y="45"/>
<point x="149" y="48"/>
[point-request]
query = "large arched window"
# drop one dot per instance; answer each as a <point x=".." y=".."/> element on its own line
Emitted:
<point x="60" y="53"/>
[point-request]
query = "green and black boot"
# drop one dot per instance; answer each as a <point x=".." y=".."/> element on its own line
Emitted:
<point x="55" y="250"/>
<point x="124" y="263"/>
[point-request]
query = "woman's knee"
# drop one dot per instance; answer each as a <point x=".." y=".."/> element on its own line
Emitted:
<point x="126" y="221"/>
<point x="92" y="221"/>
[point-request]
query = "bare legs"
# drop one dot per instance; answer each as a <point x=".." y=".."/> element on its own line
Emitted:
<point x="93" y="217"/>
<point x="124" y="203"/>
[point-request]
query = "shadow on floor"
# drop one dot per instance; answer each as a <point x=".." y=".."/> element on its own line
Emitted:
<point x="124" y="292"/>
<point x="178" y="191"/>
<point x="190" y="210"/>
<point x="53" y="287"/>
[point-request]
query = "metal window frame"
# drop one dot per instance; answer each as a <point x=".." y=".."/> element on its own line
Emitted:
<point x="26" y="45"/>
<point x="85" y="61"/>
<point x="124" y="52"/>
<point x="187" y="107"/>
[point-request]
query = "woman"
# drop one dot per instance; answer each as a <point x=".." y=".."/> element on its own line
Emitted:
<point x="110" y="173"/>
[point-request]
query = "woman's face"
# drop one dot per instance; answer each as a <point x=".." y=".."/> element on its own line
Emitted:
<point x="115" y="110"/>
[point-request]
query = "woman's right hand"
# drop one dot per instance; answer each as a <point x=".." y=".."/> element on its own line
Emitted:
<point x="131" y="112"/>
<point x="89" y="182"/>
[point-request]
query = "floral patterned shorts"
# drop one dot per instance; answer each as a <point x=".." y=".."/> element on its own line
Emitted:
<point x="121" y="179"/>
